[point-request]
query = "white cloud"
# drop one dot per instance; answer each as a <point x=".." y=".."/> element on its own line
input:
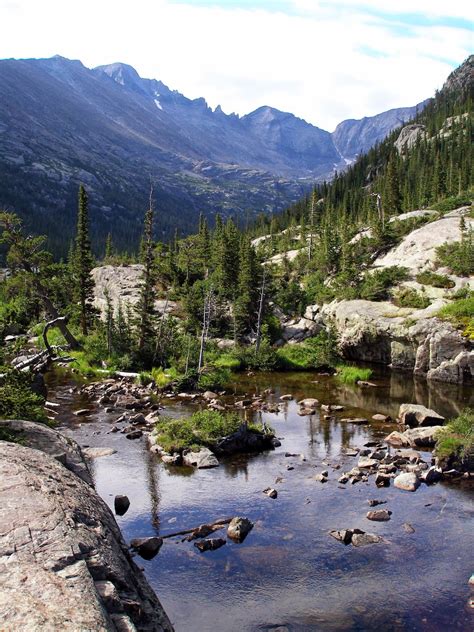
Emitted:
<point x="312" y="61"/>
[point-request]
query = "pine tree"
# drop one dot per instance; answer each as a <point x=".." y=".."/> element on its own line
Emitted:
<point x="146" y="303"/>
<point x="83" y="263"/>
<point x="108" y="247"/>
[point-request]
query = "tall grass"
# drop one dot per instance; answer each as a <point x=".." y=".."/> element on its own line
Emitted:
<point x="352" y="374"/>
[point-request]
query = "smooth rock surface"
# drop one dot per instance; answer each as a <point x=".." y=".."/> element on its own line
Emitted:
<point x="59" y="542"/>
<point x="407" y="481"/>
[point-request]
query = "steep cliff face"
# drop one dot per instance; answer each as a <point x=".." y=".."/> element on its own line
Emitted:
<point x="63" y="562"/>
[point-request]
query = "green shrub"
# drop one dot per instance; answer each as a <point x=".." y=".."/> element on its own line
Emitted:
<point x="203" y="428"/>
<point x="17" y="400"/>
<point x="409" y="297"/>
<point x="264" y="360"/>
<point x="458" y="256"/>
<point x="436" y="280"/>
<point x="352" y="374"/>
<point x="375" y="285"/>
<point x="214" y="378"/>
<point x="450" y="203"/>
<point x="317" y="352"/>
<point x="457" y="437"/>
<point x="461" y="314"/>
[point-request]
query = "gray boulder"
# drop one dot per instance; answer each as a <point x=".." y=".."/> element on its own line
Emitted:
<point x="201" y="460"/>
<point x="408" y="481"/>
<point x="414" y="415"/>
<point x="239" y="528"/>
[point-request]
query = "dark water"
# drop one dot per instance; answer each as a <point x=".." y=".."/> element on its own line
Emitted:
<point x="289" y="574"/>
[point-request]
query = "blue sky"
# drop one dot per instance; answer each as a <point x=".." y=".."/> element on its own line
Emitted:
<point x="322" y="60"/>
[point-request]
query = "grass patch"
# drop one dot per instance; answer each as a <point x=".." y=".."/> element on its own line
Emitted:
<point x="457" y="437"/>
<point x="203" y="428"/>
<point x="436" y="280"/>
<point x="461" y="314"/>
<point x="228" y="361"/>
<point x="352" y="374"/>
<point x="458" y="256"/>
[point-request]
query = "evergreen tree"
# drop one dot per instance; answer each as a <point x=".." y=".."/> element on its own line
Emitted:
<point x="83" y="263"/>
<point x="146" y="303"/>
<point x="108" y="247"/>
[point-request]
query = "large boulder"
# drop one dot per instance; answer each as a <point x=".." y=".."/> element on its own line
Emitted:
<point x="63" y="562"/>
<point x="414" y="415"/>
<point x="123" y="285"/>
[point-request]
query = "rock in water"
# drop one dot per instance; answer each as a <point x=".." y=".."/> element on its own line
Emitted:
<point x="309" y="402"/>
<point x="362" y="539"/>
<point x="379" y="515"/>
<point x="373" y="502"/>
<point x="407" y="481"/>
<point x="147" y="547"/>
<point x="432" y="475"/>
<point x="414" y="416"/>
<point x="286" y="398"/>
<point x="202" y="459"/>
<point x="269" y="491"/>
<point x="121" y="504"/>
<point x="239" y="528"/>
<point x="97" y="453"/>
<point x="209" y="545"/>
<point x="382" y="480"/>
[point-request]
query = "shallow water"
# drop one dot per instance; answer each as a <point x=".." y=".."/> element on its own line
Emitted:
<point x="289" y="574"/>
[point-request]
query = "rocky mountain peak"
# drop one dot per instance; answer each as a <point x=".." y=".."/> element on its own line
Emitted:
<point x="462" y="78"/>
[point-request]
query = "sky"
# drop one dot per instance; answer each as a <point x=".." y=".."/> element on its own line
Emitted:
<point x="324" y="61"/>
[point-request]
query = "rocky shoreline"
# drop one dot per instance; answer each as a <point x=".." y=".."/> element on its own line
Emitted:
<point x="64" y="563"/>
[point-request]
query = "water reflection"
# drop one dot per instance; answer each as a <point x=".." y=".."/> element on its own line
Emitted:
<point x="289" y="574"/>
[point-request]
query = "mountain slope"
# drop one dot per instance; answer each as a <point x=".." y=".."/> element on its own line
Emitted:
<point x="62" y="124"/>
<point x="353" y="138"/>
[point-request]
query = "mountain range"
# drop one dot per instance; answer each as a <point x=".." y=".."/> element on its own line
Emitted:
<point x="62" y="123"/>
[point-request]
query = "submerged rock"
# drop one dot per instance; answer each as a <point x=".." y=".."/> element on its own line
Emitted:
<point x="309" y="402"/>
<point x="210" y="544"/>
<point x="239" y="528"/>
<point x="97" y="453"/>
<point x="373" y="502"/>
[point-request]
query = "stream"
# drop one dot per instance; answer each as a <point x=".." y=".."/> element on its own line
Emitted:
<point x="289" y="574"/>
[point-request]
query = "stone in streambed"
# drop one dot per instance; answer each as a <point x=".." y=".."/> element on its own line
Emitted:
<point x="239" y="528"/>
<point x="121" y="504"/>
<point x="382" y="480"/>
<point x="379" y="515"/>
<point x="373" y="502"/>
<point x="272" y="493"/>
<point x="210" y="544"/>
<point x="202" y="460"/>
<point x="363" y="539"/>
<point x="414" y="415"/>
<point x="408" y="481"/>
<point x="97" y="453"/>
<point x="147" y="547"/>
<point x="432" y="475"/>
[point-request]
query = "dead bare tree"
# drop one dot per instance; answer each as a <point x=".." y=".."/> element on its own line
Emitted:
<point x="260" y="312"/>
<point x="206" y="319"/>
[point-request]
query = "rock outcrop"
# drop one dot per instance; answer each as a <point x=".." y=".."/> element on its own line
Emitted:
<point x="123" y="285"/>
<point x="405" y="339"/>
<point x="63" y="562"/>
<point x="417" y="250"/>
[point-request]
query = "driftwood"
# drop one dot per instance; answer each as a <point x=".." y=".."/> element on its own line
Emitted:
<point x="212" y="527"/>
<point x="41" y="360"/>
